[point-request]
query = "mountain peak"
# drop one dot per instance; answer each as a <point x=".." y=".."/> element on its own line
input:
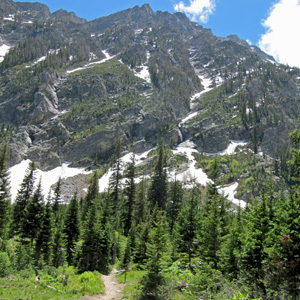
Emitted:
<point x="68" y="16"/>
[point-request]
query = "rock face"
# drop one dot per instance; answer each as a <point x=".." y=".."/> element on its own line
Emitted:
<point x="70" y="87"/>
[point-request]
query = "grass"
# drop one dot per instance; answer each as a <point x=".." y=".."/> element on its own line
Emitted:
<point x="132" y="279"/>
<point x="54" y="284"/>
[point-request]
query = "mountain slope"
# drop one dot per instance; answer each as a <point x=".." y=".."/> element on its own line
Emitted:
<point x="70" y="87"/>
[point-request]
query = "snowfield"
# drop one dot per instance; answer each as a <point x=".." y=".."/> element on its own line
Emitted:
<point x="3" y="50"/>
<point x="92" y="64"/>
<point x="192" y="173"/>
<point x="230" y="150"/>
<point x="104" y="180"/>
<point x="230" y="191"/>
<point x="48" y="178"/>
<point x="143" y="74"/>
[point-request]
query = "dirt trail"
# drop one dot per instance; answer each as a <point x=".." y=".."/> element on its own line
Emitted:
<point x="113" y="289"/>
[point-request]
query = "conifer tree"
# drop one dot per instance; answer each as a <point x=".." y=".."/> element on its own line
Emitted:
<point x="140" y="204"/>
<point x="24" y="193"/>
<point x="71" y="228"/>
<point x="45" y="237"/>
<point x="140" y="247"/>
<point x="33" y="215"/>
<point x="129" y="195"/>
<point x="253" y="248"/>
<point x="157" y="258"/>
<point x="284" y="245"/>
<point x="158" y="189"/>
<point x="115" y="179"/>
<point x="58" y="253"/>
<point x="186" y="226"/>
<point x="175" y="202"/>
<point x="210" y="233"/>
<point x="94" y="254"/>
<point x="231" y="248"/>
<point x="4" y="197"/>
<point x="57" y="197"/>
<point x="93" y="191"/>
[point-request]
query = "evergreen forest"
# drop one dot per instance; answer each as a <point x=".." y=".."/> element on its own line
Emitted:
<point x="176" y="243"/>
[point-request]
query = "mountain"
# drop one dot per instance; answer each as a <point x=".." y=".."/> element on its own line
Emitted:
<point x="69" y="88"/>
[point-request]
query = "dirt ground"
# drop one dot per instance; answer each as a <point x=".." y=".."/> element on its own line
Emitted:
<point x="113" y="289"/>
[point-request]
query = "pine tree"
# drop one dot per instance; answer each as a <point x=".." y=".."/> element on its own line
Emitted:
<point x="71" y="228"/>
<point x="57" y="197"/>
<point x="158" y="189"/>
<point x="94" y="254"/>
<point x="115" y="179"/>
<point x="175" y="202"/>
<point x="140" y="204"/>
<point x="24" y="193"/>
<point x="284" y="245"/>
<point x="231" y="248"/>
<point x="92" y="194"/>
<point x="45" y="237"/>
<point x="4" y="197"/>
<point x="33" y="215"/>
<point x="253" y="248"/>
<point x="141" y="241"/>
<point x="157" y="258"/>
<point x="129" y="195"/>
<point x="186" y="227"/>
<point x="211" y="228"/>
<point x="58" y="254"/>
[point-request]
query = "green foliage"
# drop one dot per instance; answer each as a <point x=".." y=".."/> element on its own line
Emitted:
<point x="56" y="284"/>
<point x="71" y="228"/>
<point x="4" y="264"/>
<point x="4" y="197"/>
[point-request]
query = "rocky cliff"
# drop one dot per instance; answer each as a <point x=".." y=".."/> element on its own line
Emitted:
<point x="70" y="87"/>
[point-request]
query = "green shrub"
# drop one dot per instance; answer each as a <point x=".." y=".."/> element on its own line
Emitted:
<point x="4" y="264"/>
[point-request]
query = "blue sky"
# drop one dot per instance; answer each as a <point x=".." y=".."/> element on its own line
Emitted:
<point x="273" y="25"/>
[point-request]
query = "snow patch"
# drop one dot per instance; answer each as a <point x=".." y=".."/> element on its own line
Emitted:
<point x="230" y="150"/>
<point x="143" y="74"/>
<point x="92" y="64"/>
<point x="48" y="178"/>
<point x="230" y="192"/>
<point x="192" y="173"/>
<point x="9" y="18"/>
<point x="3" y="50"/>
<point x="36" y="62"/>
<point x="190" y="116"/>
<point x="138" y="31"/>
<point x="104" y="180"/>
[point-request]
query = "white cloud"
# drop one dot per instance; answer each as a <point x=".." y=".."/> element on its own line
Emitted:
<point x="282" y="32"/>
<point x="197" y="9"/>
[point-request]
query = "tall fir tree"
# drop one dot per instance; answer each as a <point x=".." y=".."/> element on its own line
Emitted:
<point x="158" y="188"/>
<point x="92" y="193"/>
<point x="140" y="207"/>
<point x="186" y="226"/>
<point x="4" y="197"/>
<point x="175" y="202"/>
<point x="45" y="237"/>
<point x="33" y="215"/>
<point x="95" y="249"/>
<point x="56" y="200"/>
<point x="157" y="259"/>
<point x="129" y="195"/>
<point x="115" y="179"/>
<point x="71" y="228"/>
<point x="253" y="246"/>
<point x="23" y="195"/>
